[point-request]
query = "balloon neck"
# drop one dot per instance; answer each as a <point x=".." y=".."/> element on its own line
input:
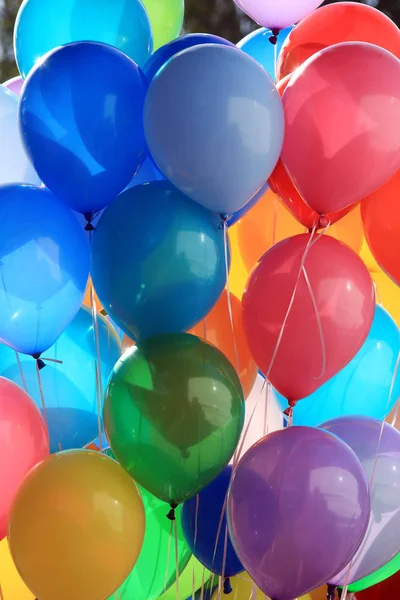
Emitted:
<point x="227" y="586"/>
<point x="171" y="515"/>
<point x="331" y="592"/>
<point x="224" y="221"/>
<point x="89" y="218"/>
<point x="39" y="362"/>
<point x="274" y="37"/>
<point x="289" y="411"/>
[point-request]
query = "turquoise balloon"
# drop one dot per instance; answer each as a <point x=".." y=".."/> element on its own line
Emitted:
<point x="43" y="25"/>
<point x="363" y="387"/>
<point x="257" y="45"/>
<point x="69" y="388"/>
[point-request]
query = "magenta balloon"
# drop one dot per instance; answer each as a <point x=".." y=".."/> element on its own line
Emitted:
<point x="298" y="509"/>
<point x="15" y="85"/>
<point x="278" y="14"/>
<point x="378" y="449"/>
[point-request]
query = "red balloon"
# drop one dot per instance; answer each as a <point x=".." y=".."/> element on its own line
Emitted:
<point x="23" y="443"/>
<point x="333" y="24"/>
<point x="386" y="590"/>
<point x="342" y="111"/>
<point x="342" y="296"/>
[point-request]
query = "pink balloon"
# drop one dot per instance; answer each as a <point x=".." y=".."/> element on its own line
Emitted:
<point x="311" y="349"/>
<point x="342" y="111"/>
<point x="15" y="85"/>
<point x="278" y="14"/>
<point x="23" y="443"/>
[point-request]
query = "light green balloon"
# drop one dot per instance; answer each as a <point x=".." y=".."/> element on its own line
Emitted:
<point x="194" y="569"/>
<point x="380" y="575"/>
<point x="166" y="18"/>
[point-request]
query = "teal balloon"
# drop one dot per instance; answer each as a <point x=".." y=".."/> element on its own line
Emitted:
<point x="158" y="260"/>
<point x="258" y="45"/>
<point x="43" y="25"/>
<point x="364" y="386"/>
<point x="69" y="388"/>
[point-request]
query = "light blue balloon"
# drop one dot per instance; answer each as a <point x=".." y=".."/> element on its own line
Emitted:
<point x="258" y="46"/>
<point x="44" y="267"/>
<point x="363" y="387"/>
<point x="214" y="125"/>
<point x="158" y="260"/>
<point x="69" y="388"/>
<point x="43" y="25"/>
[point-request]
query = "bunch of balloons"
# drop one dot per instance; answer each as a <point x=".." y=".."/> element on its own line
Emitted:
<point x="196" y="360"/>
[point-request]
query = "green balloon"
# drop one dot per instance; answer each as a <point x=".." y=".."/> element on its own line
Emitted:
<point x="380" y="575"/>
<point x="166" y="18"/>
<point x="173" y="414"/>
<point x="192" y="578"/>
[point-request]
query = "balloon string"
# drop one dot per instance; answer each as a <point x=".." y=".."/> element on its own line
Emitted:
<point x="21" y="373"/>
<point x="266" y="408"/>
<point x="319" y="323"/>
<point x="168" y="556"/>
<point x="176" y="559"/>
<point x="228" y="293"/>
<point x="225" y="581"/>
<point x="196" y="520"/>
<point x="1" y="593"/>
<point x="97" y="363"/>
<point x="53" y="360"/>
<point x="42" y="395"/>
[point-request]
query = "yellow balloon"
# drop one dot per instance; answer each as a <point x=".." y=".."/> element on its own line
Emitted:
<point x="192" y="577"/>
<point x="76" y="527"/>
<point x="242" y="589"/>
<point x="238" y="273"/>
<point x="11" y="584"/>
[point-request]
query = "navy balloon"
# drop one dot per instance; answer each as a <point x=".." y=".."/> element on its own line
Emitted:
<point x="164" y="53"/>
<point x="81" y="116"/>
<point x="258" y="45"/>
<point x="44" y="267"/>
<point x="72" y="395"/>
<point x="201" y="524"/>
<point x="158" y="260"/>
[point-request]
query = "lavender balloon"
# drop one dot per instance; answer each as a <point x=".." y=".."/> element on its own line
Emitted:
<point x="14" y="85"/>
<point x="382" y="540"/>
<point x="278" y="14"/>
<point x="298" y="509"/>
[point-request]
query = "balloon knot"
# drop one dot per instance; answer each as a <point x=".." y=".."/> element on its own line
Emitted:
<point x="274" y="37"/>
<point x="89" y="219"/>
<point x="103" y="312"/>
<point x="171" y="514"/>
<point x="224" y="221"/>
<point x="89" y="227"/>
<point x="331" y="592"/>
<point x="289" y="411"/>
<point x="227" y="586"/>
<point x="323" y="222"/>
<point x="40" y="363"/>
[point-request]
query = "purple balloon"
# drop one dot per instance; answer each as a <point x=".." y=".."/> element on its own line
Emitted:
<point x="278" y="14"/>
<point x="379" y="452"/>
<point x="298" y="509"/>
<point x="15" y="85"/>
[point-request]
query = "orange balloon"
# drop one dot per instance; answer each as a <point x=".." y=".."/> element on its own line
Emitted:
<point x="76" y="527"/>
<point x="217" y="329"/>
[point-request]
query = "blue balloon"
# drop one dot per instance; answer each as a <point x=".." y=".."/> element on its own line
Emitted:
<point x="258" y="46"/>
<point x="164" y="53"/>
<point x="43" y="25"/>
<point x="214" y="125"/>
<point x="240" y="213"/>
<point x="69" y="388"/>
<point x="363" y="387"/>
<point x="158" y="262"/>
<point x="201" y="521"/>
<point x="44" y="267"/>
<point x="81" y="116"/>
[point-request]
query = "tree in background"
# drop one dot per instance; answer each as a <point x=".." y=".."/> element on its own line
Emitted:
<point x="220" y="17"/>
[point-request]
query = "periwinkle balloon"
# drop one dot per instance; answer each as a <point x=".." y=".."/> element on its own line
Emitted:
<point x="258" y="45"/>
<point x="377" y="445"/>
<point x="44" y="264"/>
<point x="298" y="509"/>
<point x="70" y="391"/>
<point x="216" y="136"/>
<point x="158" y="260"/>
<point x="165" y="53"/>
<point x="278" y="15"/>
<point x="81" y="116"/>
<point x="43" y="25"/>
<point x="204" y="527"/>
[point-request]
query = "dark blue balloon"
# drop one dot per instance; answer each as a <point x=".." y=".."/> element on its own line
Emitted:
<point x="81" y="117"/>
<point x="240" y="213"/>
<point x="163" y="54"/>
<point x="201" y="532"/>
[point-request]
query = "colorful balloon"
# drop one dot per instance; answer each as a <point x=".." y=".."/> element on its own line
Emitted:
<point x="14" y="84"/>
<point x="14" y="161"/>
<point x="205" y="528"/>
<point x="166" y="19"/>
<point x="11" y="584"/>
<point x="44" y="268"/>
<point x="388" y="570"/>
<point x="23" y="443"/>
<point x="369" y="385"/>
<point x="165" y="53"/>
<point x="377" y="446"/>
<point x="82" y="507"/>
<point x="381" y="221"/>
<point x="242" y="116"/>
<point x="72" y="389"/>
<point x="258" y="45"/>
<point x="287" y="492"/>
<point x="336" y="161"/>
<point x="70" y="91"/>
<point x="165" y="269"/>
<point x="386" y="590"/>
<point x="278" y="15"/>
<point x="333" y="24"/>
<point x="43" y="25"/>
<point x="229" y="338"/>
<point x="174" y="401"/>
<point x="325" y="324"/>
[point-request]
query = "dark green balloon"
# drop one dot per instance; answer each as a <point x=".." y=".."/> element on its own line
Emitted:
<point x="173" y="414"/>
